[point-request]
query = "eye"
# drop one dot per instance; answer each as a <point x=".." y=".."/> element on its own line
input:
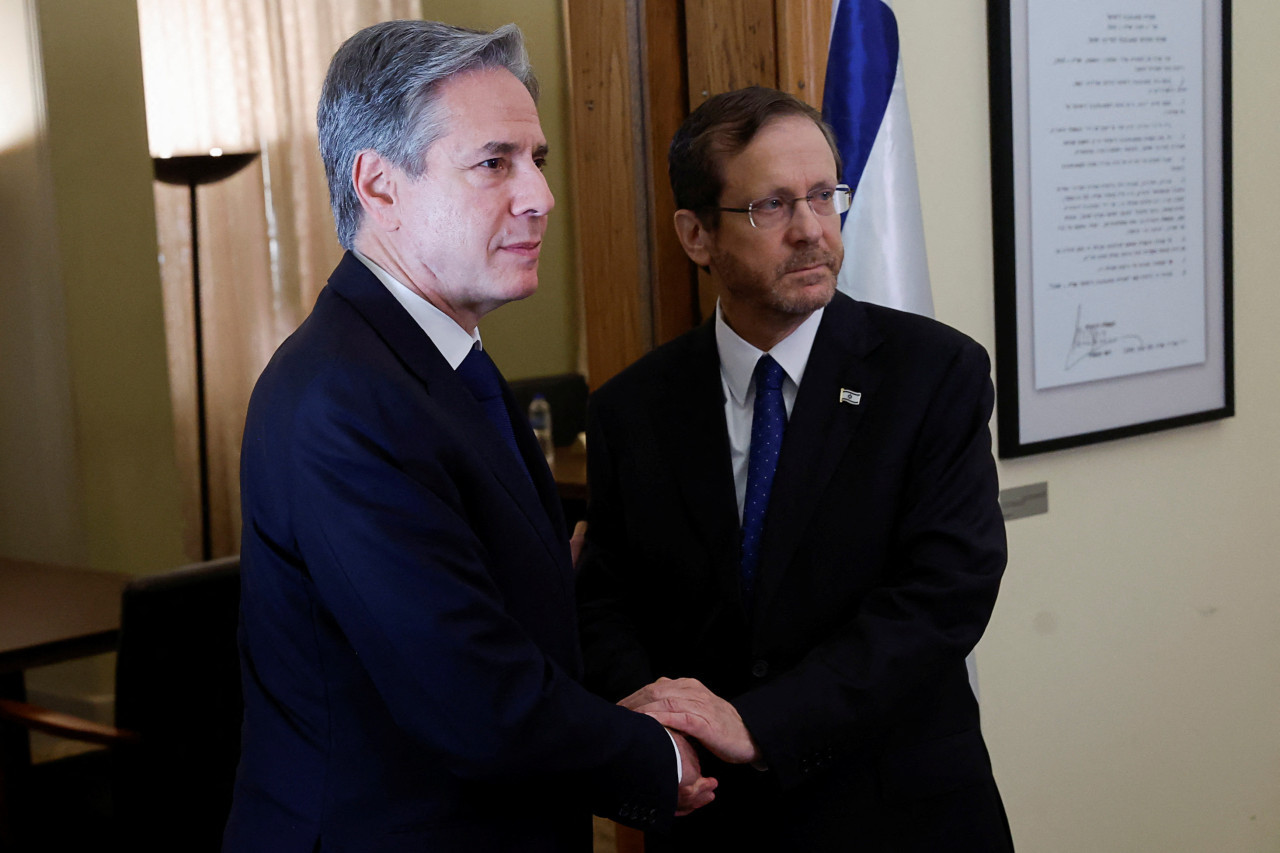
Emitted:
<point x="824" y="195"/>
<point x="541" y="163"/>
<point x="493" y="163"/>
<point x="768" y="205"/>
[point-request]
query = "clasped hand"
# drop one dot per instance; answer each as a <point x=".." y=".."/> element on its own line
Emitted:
<point x="687" y="708"/>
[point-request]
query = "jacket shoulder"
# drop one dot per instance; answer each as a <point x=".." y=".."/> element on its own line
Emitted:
<point x="690" y="351"/>
<point x="916" y="328"/>
<point x="913" y="340"/>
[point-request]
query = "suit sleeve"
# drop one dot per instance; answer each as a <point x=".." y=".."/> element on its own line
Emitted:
<point x="946" y="559"/>
<point x="386" y="528"/>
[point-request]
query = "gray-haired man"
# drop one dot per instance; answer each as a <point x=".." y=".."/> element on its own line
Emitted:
<point x="408" y="641"/>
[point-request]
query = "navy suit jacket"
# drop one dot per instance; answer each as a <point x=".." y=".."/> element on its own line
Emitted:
<point x="881" y="556"/>
<point x="408" y="637"/>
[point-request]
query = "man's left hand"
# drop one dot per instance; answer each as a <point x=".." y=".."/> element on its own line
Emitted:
<point x="686" y="705"/>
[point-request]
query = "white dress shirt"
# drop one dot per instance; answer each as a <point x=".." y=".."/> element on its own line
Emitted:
<point x="453" y="341"/>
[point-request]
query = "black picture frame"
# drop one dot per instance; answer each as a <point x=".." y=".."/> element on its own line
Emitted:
<point x="1034" y="415"/>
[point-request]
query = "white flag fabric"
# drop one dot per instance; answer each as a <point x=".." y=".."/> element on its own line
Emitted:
<point x="865" y="102"/>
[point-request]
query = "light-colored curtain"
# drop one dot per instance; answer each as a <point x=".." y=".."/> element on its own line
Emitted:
<point x="240" y="75"/>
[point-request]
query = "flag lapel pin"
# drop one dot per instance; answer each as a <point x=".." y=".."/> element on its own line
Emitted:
<point x="853" y="398"/>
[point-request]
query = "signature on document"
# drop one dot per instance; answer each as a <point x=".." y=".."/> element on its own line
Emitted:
<point x="1097" y="340"/>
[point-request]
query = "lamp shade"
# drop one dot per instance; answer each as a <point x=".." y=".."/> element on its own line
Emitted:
<point x="191" y="169"/>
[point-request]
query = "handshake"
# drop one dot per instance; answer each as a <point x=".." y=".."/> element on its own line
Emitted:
<point x="692" y="712"/>
<point x="689" y="711"/>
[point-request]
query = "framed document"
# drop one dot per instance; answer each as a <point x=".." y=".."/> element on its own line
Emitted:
<point x="1111" y="183"/>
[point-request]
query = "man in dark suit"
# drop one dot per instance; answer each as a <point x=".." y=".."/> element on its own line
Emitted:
<point x="409" y="647"/>
<point x="794" y="518"/>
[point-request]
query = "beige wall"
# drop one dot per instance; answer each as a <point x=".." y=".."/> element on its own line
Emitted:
<point x="39" y="503"/>
<point x="86" y="436"/>
<point x="537" y="336"/>
<point x="1130" y="679"/>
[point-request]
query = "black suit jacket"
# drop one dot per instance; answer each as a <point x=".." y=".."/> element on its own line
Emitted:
<point x="881" y="556"/>
<point x="410" y="656"/>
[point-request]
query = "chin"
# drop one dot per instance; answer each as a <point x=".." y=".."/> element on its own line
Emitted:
<point x="807" y="298"/>
<point x="523" y="290"/>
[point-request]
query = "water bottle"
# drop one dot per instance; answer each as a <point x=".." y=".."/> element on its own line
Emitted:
<point x="540" y="420"/>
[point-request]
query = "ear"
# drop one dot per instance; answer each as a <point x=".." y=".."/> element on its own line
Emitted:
<point x="694" y="237"/>
<point x="375" y="181"/>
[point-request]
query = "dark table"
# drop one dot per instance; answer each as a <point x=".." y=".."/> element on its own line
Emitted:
<point x="48" y="614"/>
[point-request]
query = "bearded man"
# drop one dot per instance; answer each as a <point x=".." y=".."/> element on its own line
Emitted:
<point x="794" y="519"/>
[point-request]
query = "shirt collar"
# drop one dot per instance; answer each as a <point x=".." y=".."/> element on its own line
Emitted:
<point x="738" y="358"/>
<point x="453" y="341"/>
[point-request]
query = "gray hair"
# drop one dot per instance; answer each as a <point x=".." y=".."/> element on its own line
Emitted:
<point x="382" y="93"/>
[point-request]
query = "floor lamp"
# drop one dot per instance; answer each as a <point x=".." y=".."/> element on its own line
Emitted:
<point x="191" y="171"/>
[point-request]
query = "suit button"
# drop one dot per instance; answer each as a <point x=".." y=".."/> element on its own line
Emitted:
<point x="760" y="668"/>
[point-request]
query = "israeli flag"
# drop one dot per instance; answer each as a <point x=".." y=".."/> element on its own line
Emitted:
<point x="865" y="102"/>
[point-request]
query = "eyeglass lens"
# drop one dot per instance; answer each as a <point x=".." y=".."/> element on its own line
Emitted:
<point x="768" y="212"/>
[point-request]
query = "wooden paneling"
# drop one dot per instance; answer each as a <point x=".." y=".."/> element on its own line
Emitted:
<point x="803" y="32"/>
<point x="731" y="44"/>
<point x="612" y="244"/>
<point x="675" y="307"/>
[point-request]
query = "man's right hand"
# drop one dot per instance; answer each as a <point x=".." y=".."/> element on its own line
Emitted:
<point x="695" y="790"/>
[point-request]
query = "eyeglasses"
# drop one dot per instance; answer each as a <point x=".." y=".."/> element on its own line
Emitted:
<point x="773" y="212"/>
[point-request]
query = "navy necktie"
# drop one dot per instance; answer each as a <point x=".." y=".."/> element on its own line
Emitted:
<point x="768" y="421"/>
<point x="481" y="376"/>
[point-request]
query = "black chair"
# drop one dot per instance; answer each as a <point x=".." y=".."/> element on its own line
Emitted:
<point x="173" y="751"/>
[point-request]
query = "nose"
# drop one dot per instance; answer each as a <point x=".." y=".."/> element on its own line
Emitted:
<point x="805" y="225"/>
<point x="532" y="195"/>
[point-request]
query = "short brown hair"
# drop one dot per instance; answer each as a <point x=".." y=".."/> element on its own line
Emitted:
<point x="721" y="126"/>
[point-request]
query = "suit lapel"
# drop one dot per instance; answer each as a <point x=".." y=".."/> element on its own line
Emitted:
<point x="353" y="281"/>
<point x="819" y="431"/>
<point x="696" y="441"/>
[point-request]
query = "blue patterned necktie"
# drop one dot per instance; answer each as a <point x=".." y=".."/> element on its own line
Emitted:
<point x="768" y="421"/>
<point x="481" y="376"/>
